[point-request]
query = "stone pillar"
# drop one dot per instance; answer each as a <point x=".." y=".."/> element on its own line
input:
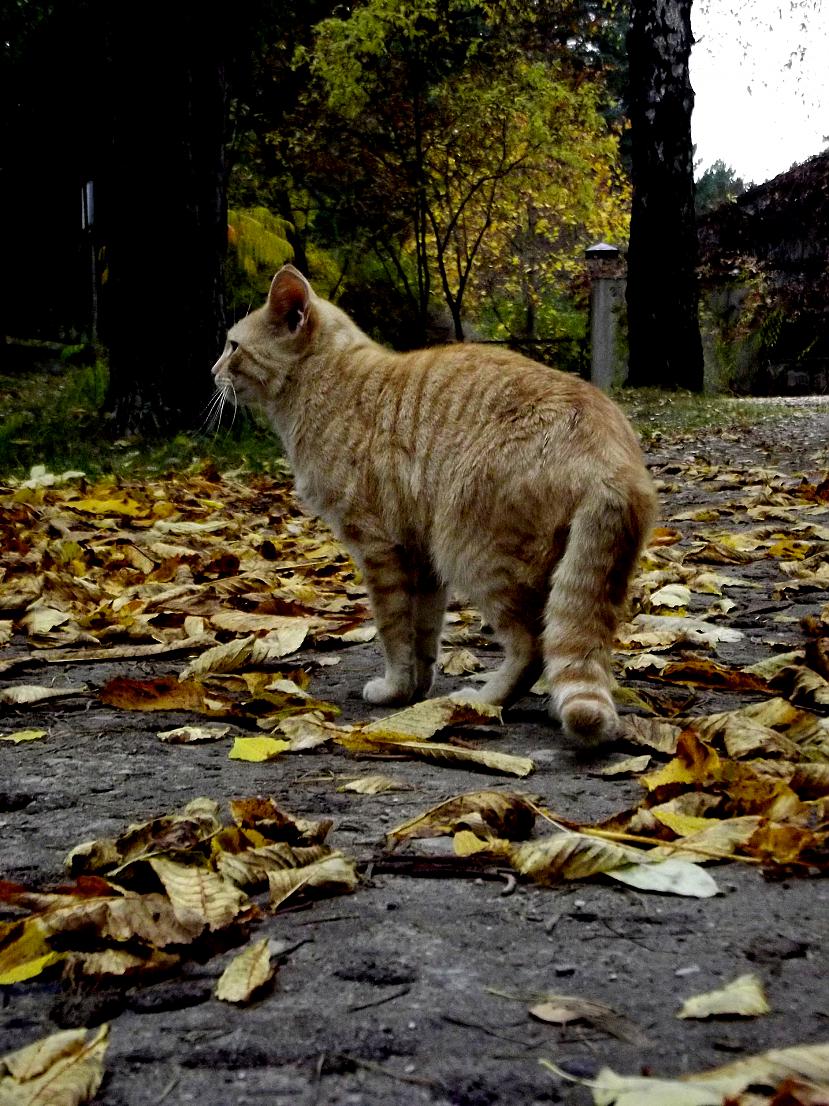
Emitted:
<point x="608" y="361"/>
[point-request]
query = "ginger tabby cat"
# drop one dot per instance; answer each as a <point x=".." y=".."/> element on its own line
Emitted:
<point x="462" y="465"/>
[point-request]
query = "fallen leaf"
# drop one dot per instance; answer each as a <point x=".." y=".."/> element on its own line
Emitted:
<point x="23" y="694"/>
<point x="257" y="749"/>
<point x="430" y="716"/>
<point x="160" y="693"/>
<point x="459" y="662"/>
<point x="65" y="1069"/>
<point x="189" y="735"/>
<point x="507" y="814"/>
<point x="627" y="766"/>
<point x="744" y="996"/>
<point x="563" y="1009"/>
<point x="335" y="874"/>
<point x="23" y="735"/>
<point x="246" y="974"/>
<point x="672" y="877"/>
<point x="199" y="893"/>
<point x="570" y="855"/>
<point x="374" y="785"/>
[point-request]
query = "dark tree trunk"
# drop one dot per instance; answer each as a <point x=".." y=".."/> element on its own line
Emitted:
<point x="662" y="295"/>
<point x="163" y="216"/>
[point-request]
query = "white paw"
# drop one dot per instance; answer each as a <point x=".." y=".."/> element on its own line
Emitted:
<point x="383" y="693"/>
<point x="467" y="694"/>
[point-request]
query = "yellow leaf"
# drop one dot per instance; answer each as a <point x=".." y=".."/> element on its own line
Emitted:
<point x="250" y="868"/>
<point x="199" y="893"/>
<point x="714" y="841"/>
<point x="335" y="875"/>
<point x="467" y="843"/>
<point x="694" y="763"/>
<point x="246" y="973"/>
<point x="672" y="595"/>
<point x="62" y="1070"/>
<point x="458" y="662"/>
<point x="23" y="735"/>
<point x="680" y="824"/>
<point x="506" y="813"/>
<point x="374" y="785"/>
<point x="744" y="997"/>
<point x="229" y="657"/>
<point x="486" y="759"/>
<point x="652" y="733"/>
<point x="27" y="954"/>
<point x="307" y="731"/>
<point x="570" y="856"/>
<point x="427" y="718"/>
<point x="113" y="505"/>
<point x="626" y="767"/>
<point x="257" y="748"/>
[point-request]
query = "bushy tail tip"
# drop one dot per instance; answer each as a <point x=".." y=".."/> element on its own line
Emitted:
<point x="589" y="716"/>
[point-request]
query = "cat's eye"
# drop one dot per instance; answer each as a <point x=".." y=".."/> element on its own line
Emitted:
<point x="233" y="345"/>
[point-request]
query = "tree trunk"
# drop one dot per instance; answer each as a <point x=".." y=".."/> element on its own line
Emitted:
<point x="164" y="218"/>
<point x="662" y="295"/>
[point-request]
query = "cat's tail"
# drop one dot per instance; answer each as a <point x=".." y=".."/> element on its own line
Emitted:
<point x="589" y="588"/>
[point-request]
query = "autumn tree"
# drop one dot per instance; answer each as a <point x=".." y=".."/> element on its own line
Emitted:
<point x="662" y="296"/>
<point x="432" y="125"/>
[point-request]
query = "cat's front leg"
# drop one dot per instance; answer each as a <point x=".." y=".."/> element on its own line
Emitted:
<point x="392" y="590"/>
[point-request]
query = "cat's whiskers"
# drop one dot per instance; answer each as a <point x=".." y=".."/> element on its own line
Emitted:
<point x="216" y="406"/>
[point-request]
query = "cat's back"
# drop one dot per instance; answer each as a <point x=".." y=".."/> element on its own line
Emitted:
<point x="492" y="396"/>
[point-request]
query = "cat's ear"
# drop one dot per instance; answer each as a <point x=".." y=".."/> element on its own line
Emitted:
<point x="289" y="299"/>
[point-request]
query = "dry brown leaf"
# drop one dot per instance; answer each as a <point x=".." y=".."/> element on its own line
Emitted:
<point x="374" y="785"/>
<point x="198" y="893"/>
<point x="160" y="693"/>
<point x="563" y="1009"/>
<point x="429" y="717"/>
<point x="246" y="974"/>
<point x="459" y="662"/>
<point x="333" y="875"/>
<point x="508" y="814"/>
<point x="65" y="1069"/>
<point x="190" y="735"/>
<point x="651" y="732"/>
<point x="24" y="694"/>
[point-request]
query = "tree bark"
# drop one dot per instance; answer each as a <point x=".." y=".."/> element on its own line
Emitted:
<point x="164" y="216"/>
<point x="662" y="294"/>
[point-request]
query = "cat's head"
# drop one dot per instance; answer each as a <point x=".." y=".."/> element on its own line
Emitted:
<point x="262" y="348"/>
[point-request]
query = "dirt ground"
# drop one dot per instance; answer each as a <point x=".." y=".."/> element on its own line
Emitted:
<point x="417" y="990"/>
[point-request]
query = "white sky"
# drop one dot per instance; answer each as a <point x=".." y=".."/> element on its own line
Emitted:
<point x="753" y="110"/>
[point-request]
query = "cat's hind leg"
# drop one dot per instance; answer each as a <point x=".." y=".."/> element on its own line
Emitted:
<point x="429" y="611"/>
<point x="392" y="589"/>
<point x="517" y="628"/>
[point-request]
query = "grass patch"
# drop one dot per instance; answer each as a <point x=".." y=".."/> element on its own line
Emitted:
<point x="659" y="415"/>
<point x="54" y="415"/>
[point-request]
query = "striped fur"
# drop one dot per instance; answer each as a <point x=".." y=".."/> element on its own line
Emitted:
<point x="463" y="466"/>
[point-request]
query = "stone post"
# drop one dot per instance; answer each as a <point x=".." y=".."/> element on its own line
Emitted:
<point x="608" y="362"/>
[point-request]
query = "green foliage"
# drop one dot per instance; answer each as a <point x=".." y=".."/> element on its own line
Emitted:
<point x="427" y="131"/>
<point x="719" y="184"/>
<point x="54" y="415"/>
<point x="57" y="419"/>
<point x="259" y="245"/>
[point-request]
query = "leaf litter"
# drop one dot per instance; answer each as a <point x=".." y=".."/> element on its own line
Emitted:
<point x="181" y="567"/>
